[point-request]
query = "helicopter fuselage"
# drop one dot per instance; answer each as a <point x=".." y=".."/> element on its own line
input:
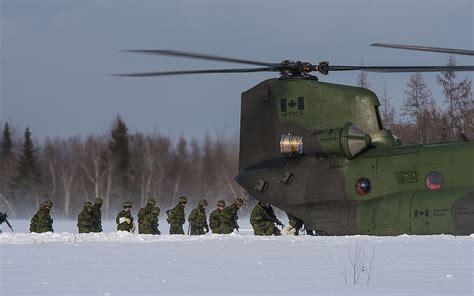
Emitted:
<point x="384" y="188"/>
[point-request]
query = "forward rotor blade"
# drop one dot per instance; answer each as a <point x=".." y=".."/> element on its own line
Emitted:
<point x="168" y="73"/>
<point x="200" y="56"/>
<point x="426" y="48"/>
<point x="402" y="69"/>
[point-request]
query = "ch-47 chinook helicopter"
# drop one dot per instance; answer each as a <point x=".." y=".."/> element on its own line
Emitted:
<point x="319" y="151"/>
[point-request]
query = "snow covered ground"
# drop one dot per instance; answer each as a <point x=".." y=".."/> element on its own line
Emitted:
<point x="66" y="263"/>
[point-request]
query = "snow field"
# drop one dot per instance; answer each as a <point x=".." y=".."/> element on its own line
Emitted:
<point x="118" y="263"/>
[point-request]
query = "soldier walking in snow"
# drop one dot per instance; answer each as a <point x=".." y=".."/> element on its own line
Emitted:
<point x="198" y="220"/>
<point x="97" y="215"/>
<point x="263" y="220"/>
<point x="215" y="217"/>
<point x="42" y="221"/>
<point x="85" y="220"/>
<point x="144" y="217"/>
<point x="229" y="217"/>
<point x="293" y="227"/>
<point x="153" y="220"/>
<point x="176" y="217"/>
<point x="124" y="218"/>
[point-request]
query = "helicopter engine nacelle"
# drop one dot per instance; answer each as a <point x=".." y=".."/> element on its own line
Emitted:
<point x="347" y="141"/>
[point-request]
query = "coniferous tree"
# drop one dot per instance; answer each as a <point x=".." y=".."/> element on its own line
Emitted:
<point x="25" y="186"/>
<point x="458" y="98"/>
<point x="119" y="151"/>
<point x="7" y="165"/>
<point x="6" y="144"/>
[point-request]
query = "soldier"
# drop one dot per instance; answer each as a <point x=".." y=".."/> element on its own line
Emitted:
<point x="153" y="220"/>
<point x="85" y="220"/>
<point x="198" y="220"/>
<point x="176" y="216"/>
<point x="263" y="220"/>
<point x="215" y="218"/>
<point x="124" y="218"/>
<point x="144" y="217"/>
<point x="97" y="215"/>
<point x="229" y="217"/>
<point x="293" y="227"/>
<point x="42" y="221"/>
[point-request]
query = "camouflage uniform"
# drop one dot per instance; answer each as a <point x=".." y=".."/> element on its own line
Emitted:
<point x="124" y="218"/>
<point x="153" y="220"/>
<point x="85" y="220"/>
<point x="295" y="223"/>
<point x="198" y="220"/>
<point x="229" y="217"/>
<point x="42" y="221"/>
<point x="176" y="216"/>
<point x="97" y="215"/>
<point x="215" y="217"/>
<point x="145" y="216"/>
<point x="263" y="220"/>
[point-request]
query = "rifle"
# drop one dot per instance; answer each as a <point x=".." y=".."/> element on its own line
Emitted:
<point x="234" y="220"/>
<point x="3" y="218"/>
<point x="273" y="219"/>
<point x="9" y="225"/>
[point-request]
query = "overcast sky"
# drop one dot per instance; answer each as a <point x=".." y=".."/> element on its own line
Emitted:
<point x="55" y="55"/>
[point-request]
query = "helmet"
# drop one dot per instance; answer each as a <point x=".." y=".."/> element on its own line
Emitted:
<point x="99" y="201"/>
<point x="88" y="204"/>
<point x="127" y="204"/>
<point x="46" y="205"/>
<point x="221" y="203"/>
<point x="151" y="202"/>
<point x="182" y="199"/>
<point x="203" y="203"/>
<point x="239" y="201"/>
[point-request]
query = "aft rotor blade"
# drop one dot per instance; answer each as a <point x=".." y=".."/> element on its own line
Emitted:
<point x="200" y="56"/>
<point x="426" y="48"/>
<point x="402" y="69"/>
<point x="212" y="71"/>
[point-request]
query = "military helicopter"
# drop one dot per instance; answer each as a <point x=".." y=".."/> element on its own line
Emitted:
<point x="319" y="152"/>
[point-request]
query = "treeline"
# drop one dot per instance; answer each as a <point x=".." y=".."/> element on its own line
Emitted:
<point x="420" y="119"/>
<point x="117" y="166"/>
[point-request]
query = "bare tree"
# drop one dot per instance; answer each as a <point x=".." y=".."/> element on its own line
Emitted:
<point x="179" y="166"/>
<point x="388" y="111"/>
<point x="362" y="80"/>
<point x="91" y="163"/>
<point x="458" y="98"/>
<point x="418" y="96"/>
<point x="369" y="269"/>
<point x="68" y="170"/>
<point x="356" y="261"/>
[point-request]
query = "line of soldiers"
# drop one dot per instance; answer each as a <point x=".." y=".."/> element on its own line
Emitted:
<point x="223" y="220"/>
